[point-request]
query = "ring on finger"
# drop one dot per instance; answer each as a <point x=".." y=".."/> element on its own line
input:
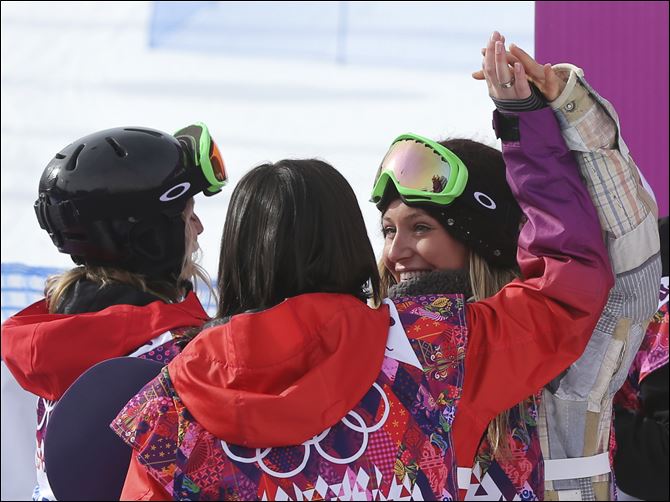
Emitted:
<point x="507" y="85"/>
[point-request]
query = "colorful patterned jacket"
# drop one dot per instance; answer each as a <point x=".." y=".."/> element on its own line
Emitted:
<point x="377" y="412"/>
<point x="572" y="417"/>
<point x="47" y="352"/>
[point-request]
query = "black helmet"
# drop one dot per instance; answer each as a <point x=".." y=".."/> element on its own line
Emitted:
<point x="116" y="197"/>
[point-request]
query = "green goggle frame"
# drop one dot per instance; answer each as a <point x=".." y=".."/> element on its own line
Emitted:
<point x="457" y="177"/>
<point x="206" y="155"/>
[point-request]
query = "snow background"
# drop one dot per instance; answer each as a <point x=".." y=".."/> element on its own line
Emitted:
<point x="273" y="80"/>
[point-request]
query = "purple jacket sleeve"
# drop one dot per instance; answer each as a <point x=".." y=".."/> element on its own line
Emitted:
<point x="536" y="327"/>
<point x="562" y="222"/>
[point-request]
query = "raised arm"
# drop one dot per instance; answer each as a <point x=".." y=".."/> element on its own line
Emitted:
<point x="590" y="126"/>
<point x="627" y="214"/>
<point x="536" y="327"/>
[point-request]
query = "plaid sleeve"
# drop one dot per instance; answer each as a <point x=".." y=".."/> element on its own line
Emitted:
<point x="626" y="208"/>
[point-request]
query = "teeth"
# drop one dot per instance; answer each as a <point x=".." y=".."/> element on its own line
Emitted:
<point x="406" y="276"/>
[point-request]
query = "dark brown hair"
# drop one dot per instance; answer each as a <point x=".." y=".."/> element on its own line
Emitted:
<point x="293" y="227"/>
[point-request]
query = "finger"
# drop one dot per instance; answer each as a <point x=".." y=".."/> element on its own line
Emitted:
<point x="483" y="71"/>
<point x="488" y="80"/>
<point x="511" y="59"/>
<point x="553" y="84"/>
<point x="489" y="63"/>
<point x="531" y="67"/>
<point x="503" y="72"/>
<point x="520" y="82"/>
<point x="519" y="52"/>
<point x="479" y="75"/>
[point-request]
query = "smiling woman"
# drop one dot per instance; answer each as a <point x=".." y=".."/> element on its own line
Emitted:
<point x="473" y="237"/>
<point x="514" y="459"/>
<point x="416" y="243"/>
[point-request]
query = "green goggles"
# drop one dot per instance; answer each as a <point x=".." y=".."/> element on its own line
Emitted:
<point x="206" y="155"/>
<point x="421" y="170"/>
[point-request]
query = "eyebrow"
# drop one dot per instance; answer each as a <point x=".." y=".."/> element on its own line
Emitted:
<point x="413" y="215"/>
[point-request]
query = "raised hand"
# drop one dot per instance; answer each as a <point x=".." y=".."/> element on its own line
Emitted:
<point x="543" y="76"/>
<point x="504" y="82"/>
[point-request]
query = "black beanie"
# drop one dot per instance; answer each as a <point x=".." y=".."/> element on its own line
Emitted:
<point x="485" y="217"/>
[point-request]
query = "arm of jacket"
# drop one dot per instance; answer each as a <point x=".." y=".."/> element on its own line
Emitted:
<point x="534" y="328"/>
<point x="627" y="214"/>
<point x="140" y="485"/>
<point x="625" y="203"/>
<point x="641" y="462"/>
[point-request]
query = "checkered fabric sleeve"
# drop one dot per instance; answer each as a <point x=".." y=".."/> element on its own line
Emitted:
<point x="625" y="204"/>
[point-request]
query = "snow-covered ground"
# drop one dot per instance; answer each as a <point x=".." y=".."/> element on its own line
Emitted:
<point x="71" y="68"/>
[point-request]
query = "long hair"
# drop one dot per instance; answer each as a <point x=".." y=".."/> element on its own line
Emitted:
<point x="57" y="286"/>
<point x="486" y="280"/>
<point x="191" y="270"/>
<point x="293" y="227"/>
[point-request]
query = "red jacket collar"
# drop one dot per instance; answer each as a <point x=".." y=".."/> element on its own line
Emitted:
<point x="281" y="376"/>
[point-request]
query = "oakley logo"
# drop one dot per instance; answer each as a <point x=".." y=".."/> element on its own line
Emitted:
<point x="175" y="192"/>
<point x="485" y="200"/>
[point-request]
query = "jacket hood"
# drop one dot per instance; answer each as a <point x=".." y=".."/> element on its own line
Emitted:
<point x="46" y="352"/>
<point x="281" y="376"/>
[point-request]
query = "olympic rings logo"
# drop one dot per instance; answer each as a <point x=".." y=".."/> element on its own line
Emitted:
<point x="316" y="443"/>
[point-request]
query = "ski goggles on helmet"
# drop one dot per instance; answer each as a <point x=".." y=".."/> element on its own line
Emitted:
<point x="421" y="170"/>
<point x="206" y="155"/>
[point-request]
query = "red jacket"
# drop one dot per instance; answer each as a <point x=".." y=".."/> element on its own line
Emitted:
<point x="46" y="352"/>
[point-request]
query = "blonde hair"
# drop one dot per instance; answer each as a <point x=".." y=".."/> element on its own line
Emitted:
<point x="191" y="270"/>
<point x="485" y="281"/>
<point x="57" y="286"/>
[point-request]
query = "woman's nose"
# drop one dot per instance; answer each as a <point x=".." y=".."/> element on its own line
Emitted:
<point x="399" y="248"/>
<point x="197" y="224"/>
